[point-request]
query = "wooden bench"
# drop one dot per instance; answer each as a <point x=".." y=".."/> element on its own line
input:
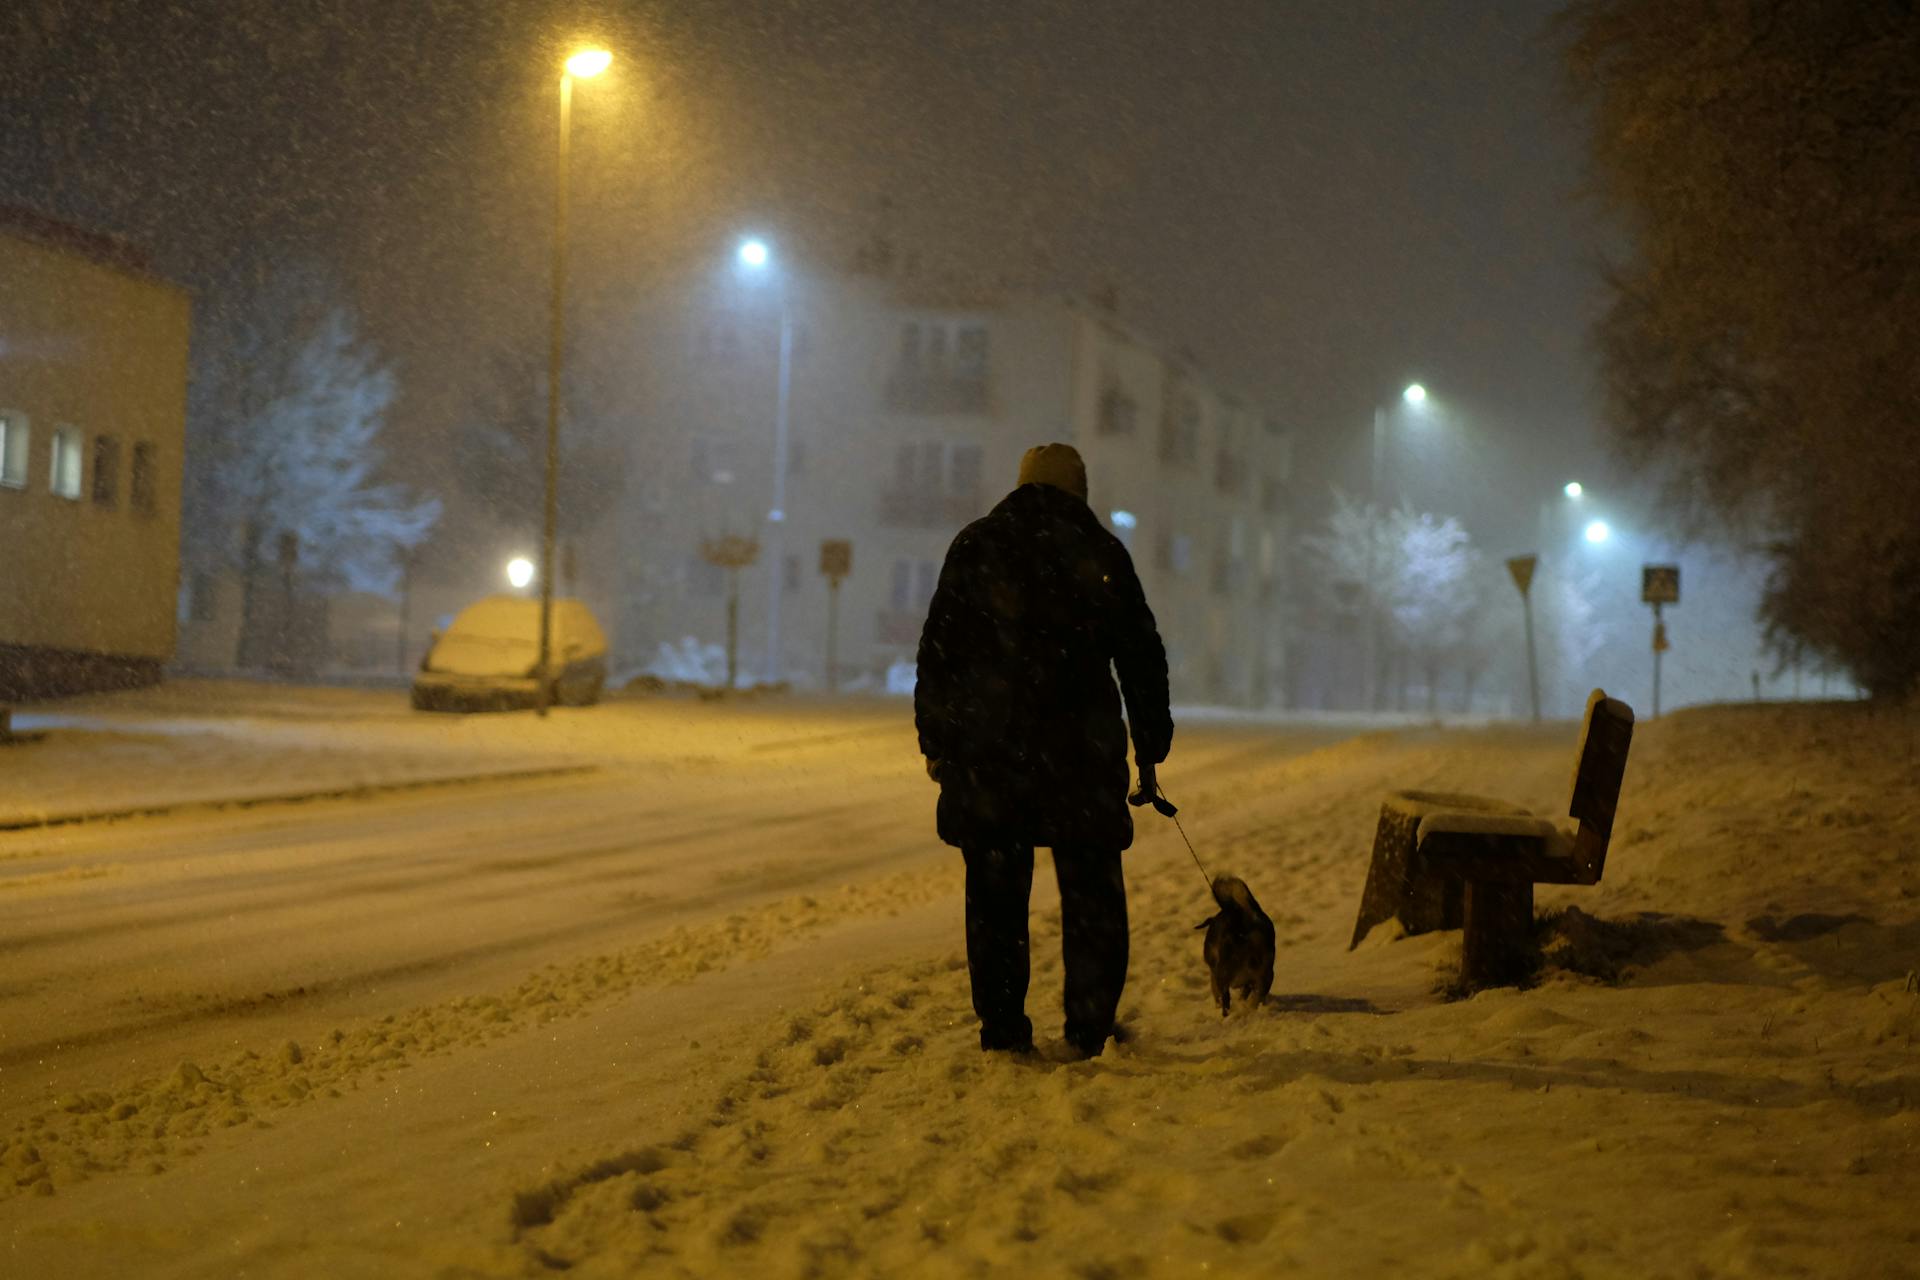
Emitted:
<point x="1443" y="861"/>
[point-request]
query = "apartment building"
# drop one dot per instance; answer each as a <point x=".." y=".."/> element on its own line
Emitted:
<point x="93" y="383"/>
<point x="908" y="411"/>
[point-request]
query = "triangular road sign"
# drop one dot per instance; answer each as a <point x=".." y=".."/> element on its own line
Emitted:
<point x="1521" y="567"/>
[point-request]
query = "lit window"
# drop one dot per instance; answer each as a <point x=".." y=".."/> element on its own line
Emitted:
<point x="106" y="471"/>
<point x="64" y="476"/>
<point x="141" y="496"/>
<point x="13" y="451"/>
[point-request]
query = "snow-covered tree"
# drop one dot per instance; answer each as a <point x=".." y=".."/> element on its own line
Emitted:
<point x="288" y="405"/>
<point x="1431" y="594"/>
<point x="1415" y="570"/>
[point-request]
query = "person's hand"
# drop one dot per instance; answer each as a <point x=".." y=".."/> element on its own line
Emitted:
<point x="1148" y="788"/>
<point x="933" y="768"/>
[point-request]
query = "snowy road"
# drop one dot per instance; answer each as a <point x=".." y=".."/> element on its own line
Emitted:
<point x="133" y="945"/>
<point x="704" y="1012"/>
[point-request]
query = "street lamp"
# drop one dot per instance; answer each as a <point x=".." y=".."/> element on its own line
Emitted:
<point x="519" y="572"/>
<point x="1415" y="397"/>
<point x="1598" y="532"/>
<point x="583" y="65"/>
<point x="1573" y="489"/>
<point x="754" y="255"/>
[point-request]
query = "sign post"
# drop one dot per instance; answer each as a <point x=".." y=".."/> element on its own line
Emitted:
<point x="836" y="562"/>
<point x="1659" y="585"/>
<point x="1521" y="567"/>
<point x="732" y="553"/>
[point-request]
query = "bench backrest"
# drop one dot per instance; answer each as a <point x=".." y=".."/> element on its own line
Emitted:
<point x="1605" y="736"/>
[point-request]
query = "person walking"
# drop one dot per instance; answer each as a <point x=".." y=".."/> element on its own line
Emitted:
<point x="1020" y="725"/>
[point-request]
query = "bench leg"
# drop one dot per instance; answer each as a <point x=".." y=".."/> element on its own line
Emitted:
<point x="1497" y="948"/>
<point x="1396" y="886"/>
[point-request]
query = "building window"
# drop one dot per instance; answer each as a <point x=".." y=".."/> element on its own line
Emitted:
<point x="1180" y="428"/>
<point x="1180" y="553"/>
<point x="902" y="585"/>
<point x="64" y="475"/>
<point x="970" y="351"/>
<point x="964" y="469"/>
<point x="141" y="495"/>
<point x="106" y="471"/>
<point x="13" y="451"/>
<point x="942" y="368"/>
<point x="926" y="578"/>
<point x="201" y="598"/>
<point x="1118" y="412"/>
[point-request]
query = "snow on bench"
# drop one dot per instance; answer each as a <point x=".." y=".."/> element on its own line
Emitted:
<point x="1445" y="861"/>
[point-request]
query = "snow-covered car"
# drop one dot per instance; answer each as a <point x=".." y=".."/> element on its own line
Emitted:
<point x="488" y="659"/>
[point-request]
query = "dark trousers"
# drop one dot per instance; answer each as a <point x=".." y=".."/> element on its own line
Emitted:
<point x="1093" y="921"/>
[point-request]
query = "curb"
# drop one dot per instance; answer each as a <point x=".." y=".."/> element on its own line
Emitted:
<point x="295" y="797"/>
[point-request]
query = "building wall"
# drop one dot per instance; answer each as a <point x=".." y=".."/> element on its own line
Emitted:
<point x="897" y="463"/>
<point x="99" y="350"/>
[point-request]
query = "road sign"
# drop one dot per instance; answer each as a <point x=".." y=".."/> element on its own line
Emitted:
<point x="730" y="551"/>
<point x="1660" y="584"/>
<point x="1660" y="644"/>
<point x="1521" y="567"/>
<point x="836" y="558"/>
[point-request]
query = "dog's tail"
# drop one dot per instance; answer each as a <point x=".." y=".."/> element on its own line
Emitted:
<point x="1231" y="892"/>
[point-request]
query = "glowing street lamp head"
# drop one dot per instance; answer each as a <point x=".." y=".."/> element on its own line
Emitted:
<point x="519" y="572"/>
<point x="1415" y="395"/>
<point x="754" y="252"/>
<point x="1598" y="532"/>
<point x="1573" y="489"/>
<point x="588" y="63"/>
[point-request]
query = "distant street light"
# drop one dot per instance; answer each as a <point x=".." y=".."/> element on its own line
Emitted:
<point x="584" y="64"/>
<point x="754" y="254"/>
<point x="519" y="572"/>
<point x="1598" y="532"/>
<point x="1573" y="489"/>
<point x="1415" y="396"/>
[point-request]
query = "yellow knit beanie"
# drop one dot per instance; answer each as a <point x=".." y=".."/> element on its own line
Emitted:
<point x="1058" y="465"/>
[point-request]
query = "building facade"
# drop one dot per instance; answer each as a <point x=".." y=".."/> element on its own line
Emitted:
<point x="907" y="414"/>
<point x="93" y="378"/>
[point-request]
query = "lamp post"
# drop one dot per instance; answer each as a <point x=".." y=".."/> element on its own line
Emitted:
<point x="582" y="65"/>
<point x="1414" y="396"/>
<point x="755" y="256"/>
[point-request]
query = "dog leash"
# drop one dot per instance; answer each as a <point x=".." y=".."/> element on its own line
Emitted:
<point x="1165" y="808"/>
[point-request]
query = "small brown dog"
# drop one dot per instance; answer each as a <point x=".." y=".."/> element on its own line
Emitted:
<point x="1239" y="946"/>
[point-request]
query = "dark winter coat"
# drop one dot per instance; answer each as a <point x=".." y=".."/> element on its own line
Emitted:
<point x="1014" y="699"/>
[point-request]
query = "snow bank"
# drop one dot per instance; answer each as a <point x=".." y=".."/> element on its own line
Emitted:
<point x="1711" y="1078"/>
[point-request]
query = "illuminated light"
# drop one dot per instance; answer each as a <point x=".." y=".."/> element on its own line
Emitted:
<point x="754" y="253"/>
<point x="1573" y="489"/>
<point x="519" y="571"/>
<point x="1598" y="531"/>
<point x="1415" y="395"/>
<point x="1124" y="519"/>
<point x="588" y="63"/>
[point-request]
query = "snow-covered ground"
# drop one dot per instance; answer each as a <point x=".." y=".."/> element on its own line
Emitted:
<point x="705" y="1012"/>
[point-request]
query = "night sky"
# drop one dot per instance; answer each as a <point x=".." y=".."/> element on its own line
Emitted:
<point x="1318" y="200"/>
